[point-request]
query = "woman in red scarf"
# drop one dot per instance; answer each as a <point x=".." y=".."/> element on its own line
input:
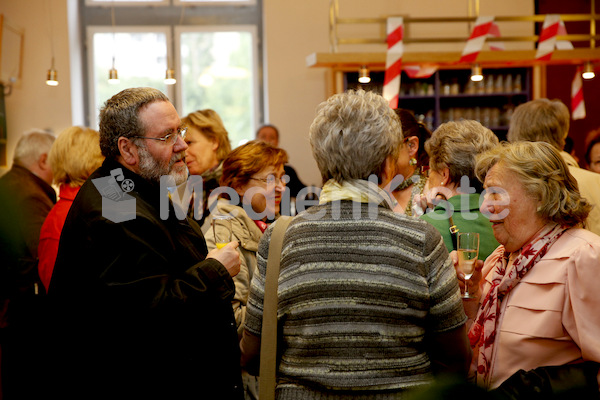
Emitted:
<point x="539" y="296"/>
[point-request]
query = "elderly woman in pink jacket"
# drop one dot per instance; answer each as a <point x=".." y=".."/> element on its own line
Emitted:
<point x="539" y="294"/>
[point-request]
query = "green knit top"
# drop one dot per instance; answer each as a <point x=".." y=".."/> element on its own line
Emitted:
<point x="467" y="218"/>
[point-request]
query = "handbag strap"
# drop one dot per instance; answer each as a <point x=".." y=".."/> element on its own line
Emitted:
<point x="453" y="233"/>
<point x="268" y="347"/>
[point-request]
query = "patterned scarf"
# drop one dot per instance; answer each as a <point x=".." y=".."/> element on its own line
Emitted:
<point x="483" y="331"/>
<point x="356" y="190"/>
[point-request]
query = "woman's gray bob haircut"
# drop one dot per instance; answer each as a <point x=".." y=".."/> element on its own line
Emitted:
<point x="352" y="135"/>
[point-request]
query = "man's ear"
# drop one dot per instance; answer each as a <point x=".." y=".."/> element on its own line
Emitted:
<point x="129" y="151"/>
<point x="44" y="163"/>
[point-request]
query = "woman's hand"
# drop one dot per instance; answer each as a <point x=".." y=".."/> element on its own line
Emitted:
<point x="426" y="201"/>
<point x="470" y="305"/>
<point x="473" y="282"/>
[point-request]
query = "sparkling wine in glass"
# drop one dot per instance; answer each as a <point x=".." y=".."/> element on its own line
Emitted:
<point x="468" y="251"/>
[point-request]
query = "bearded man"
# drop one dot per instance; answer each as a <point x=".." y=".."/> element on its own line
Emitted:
<point x="139" y="308"/>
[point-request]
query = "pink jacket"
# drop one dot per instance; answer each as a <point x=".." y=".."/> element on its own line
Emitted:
<point x="551" y="317"/>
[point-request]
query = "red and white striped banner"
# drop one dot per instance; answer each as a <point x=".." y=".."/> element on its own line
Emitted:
<point x="420" y="71"/>
<point x="577" y="103"/>
<point x="552" y="28"/>
<point x="484" y="28"/>
<point x="393" y="62"/>
<point x="495" y="32"/>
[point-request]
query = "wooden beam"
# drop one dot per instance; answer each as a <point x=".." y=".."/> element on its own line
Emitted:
<point x="449" y="60"/>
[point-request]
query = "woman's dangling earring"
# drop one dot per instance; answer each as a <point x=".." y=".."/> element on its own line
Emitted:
<point x="412" y="161"/>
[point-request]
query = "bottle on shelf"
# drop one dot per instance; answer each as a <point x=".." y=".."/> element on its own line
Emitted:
<point x="489" y="84"/>
<point x="454" y="87"/>
<point x="517" y="87"/>
<point x="508" y="84"/>
<point x="499" y="88"/>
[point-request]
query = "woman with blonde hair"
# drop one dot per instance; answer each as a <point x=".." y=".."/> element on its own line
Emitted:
<point x="208" y="145"/>
<point x="74" y="155"/>
<point x="538" y="296"/>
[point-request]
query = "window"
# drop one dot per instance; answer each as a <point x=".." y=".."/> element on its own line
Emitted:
<point x="218" y="70"/>
<point x="215" y="52"/>
<point x="138" y="54"/>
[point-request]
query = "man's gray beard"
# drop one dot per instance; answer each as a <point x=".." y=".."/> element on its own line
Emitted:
<point x="152" y="170"/>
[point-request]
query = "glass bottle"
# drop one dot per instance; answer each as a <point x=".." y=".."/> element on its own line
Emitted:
<point x="508" y="84"/>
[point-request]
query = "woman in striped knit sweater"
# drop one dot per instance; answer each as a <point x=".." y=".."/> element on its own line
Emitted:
<point x="369" y="305"/>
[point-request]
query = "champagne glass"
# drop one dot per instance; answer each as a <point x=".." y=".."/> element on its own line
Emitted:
<point x="222" y="230"/>
<point x="468" y="251"/>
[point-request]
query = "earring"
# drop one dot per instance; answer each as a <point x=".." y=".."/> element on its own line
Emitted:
<point x="412" y="161"/>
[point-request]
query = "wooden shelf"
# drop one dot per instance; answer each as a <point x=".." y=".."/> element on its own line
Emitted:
<point x="449" y="60"/>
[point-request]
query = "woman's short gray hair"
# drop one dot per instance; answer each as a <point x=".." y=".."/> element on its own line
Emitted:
<point x="545" y="177"/>
<point x="540" y="120"/>
<point x="352" y="135"/>
<point x="119" y="117"/>
<point x="455" y="145"/>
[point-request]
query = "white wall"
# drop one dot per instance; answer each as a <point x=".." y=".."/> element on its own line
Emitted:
<point x="32" y="103"/>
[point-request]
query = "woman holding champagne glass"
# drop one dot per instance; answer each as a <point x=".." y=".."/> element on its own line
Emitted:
<point x="539" y="297"/>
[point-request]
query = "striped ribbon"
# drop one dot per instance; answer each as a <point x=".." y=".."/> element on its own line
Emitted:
<point x="484" y="28"/>
<point x="393" y="62"/>
<point x="420" y="71"/>
<point x="577" y="103"/>
<point x="553" y="27"/>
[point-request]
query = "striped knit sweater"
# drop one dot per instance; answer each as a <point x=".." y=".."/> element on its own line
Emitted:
<point x="356" y="297"/>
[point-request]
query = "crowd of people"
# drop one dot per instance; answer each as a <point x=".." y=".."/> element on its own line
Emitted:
<point x="121" y="289"/>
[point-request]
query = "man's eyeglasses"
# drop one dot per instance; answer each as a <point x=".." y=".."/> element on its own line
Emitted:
<point x="271" y="180"/>
<point x="171" y="138"/>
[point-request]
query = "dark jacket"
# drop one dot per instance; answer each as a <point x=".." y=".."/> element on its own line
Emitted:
<point x="136" y="310"/>
<point x="25" y="201"/>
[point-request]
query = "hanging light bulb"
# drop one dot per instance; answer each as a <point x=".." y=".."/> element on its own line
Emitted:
<point x="113" y="76"/>
<point x="588" y="70"/>
<point x="363" y="75"/>
<point x="52" y="76"/>
<point x="170" y="77"/>
<point x="476" y="74"/>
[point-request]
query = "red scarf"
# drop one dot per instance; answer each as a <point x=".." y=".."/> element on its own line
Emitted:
<point x="483" y="331"/>
<point x="261" y="225"/>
